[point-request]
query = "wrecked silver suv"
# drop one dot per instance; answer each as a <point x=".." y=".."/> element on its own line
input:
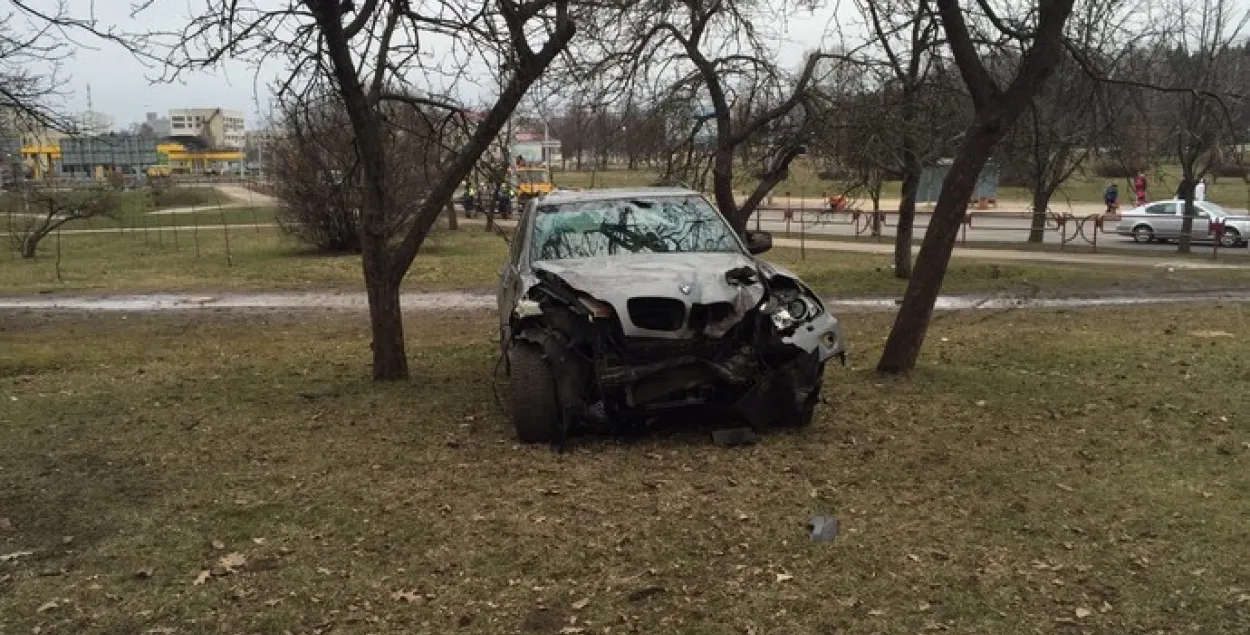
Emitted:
<point x="619" y="305"/>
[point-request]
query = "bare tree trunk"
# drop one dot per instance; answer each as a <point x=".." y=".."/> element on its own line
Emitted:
<point x="723" y="186"/>
<point x="1041" y="201"/>
<point x="385" y="318"/>
<point x="903" y="233"/>
<point x="902" y="348"/>
<point x="1184" y="245"/>
<point x="30" y="246"/>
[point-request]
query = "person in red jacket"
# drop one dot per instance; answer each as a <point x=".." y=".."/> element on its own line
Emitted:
<point x="1139" y="187"/>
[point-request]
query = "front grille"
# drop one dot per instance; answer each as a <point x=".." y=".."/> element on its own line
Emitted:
<point x="657" y="314"/>
<point x="702" y="315"/>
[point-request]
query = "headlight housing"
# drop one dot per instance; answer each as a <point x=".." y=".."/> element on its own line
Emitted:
<point x="795" y="307"/>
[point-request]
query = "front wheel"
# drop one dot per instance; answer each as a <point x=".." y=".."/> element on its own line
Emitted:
<point x="1143" y="234"/>
<point x="1231" y="238"/>
<point x="532" y="394"/>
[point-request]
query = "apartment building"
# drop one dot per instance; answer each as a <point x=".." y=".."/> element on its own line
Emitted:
<point x="219" y="127"/>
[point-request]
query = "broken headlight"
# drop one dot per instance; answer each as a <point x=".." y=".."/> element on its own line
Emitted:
<point x="795" y="307"/>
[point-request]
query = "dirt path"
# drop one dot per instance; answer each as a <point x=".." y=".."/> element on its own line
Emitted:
<point x="459" y="301"/>
<point x="246" y="196"/>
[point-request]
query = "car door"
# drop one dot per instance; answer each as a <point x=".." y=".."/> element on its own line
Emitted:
<point x="1164" y="220"/>
<point x="1202" y="222"/>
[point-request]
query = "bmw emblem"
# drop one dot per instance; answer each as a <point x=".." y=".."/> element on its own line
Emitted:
<point x="685" y="289"/>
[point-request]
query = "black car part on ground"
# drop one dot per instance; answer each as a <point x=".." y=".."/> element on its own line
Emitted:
<point x="604" y="378"/>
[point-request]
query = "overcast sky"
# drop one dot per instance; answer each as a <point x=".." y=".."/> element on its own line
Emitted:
<point x="122" y="87"/>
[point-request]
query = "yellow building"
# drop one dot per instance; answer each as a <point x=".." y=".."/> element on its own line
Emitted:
<point x="182" y="160"/>
<point x="43" y="159"/>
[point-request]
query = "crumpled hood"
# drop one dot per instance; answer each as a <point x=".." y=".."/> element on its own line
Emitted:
<point x="693" y="278"/>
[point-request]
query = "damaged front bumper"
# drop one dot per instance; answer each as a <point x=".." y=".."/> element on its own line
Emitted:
<point x="765" y="365"/>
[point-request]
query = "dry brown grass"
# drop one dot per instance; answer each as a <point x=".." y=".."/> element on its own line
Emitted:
<point x="1080" y="472"/>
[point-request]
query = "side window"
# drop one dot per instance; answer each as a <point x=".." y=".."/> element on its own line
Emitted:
<point x="1161" y="208"/>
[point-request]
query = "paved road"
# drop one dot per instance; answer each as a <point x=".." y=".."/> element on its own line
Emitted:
<point x="1121" y="259"/>
<point x="1001" y="230"/>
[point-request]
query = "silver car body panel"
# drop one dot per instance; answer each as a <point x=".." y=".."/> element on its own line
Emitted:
<point x="1168" y="226"/>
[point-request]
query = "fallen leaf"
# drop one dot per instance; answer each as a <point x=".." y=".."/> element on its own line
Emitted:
<point x="15" y="555"/>
<point x="572" y="630"/>
<point x="410" y="597"/>
<point x="145" y="573"/>
<point x="1082" y="613"/>
<point x="1106" y="606"/>
<point x="6" y="524"/>
<point x="47" y="606"/>
<point x="202" y="577"/>
<point x="913" y="557"/>
<point x="876" y="612"/>
<point x="1211" y="334"/>
<point x="784" y="577"/>
<point x="162" y="630"/>
<point x="219" y="545"/>
<point x="232" y="562"/>
<point x="581" y="604"/>
<point x="258" y="541"/>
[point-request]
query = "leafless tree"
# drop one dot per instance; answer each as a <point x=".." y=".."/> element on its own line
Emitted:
<point x="718" y="51"/>
<point x="40" y="211"/>
<point x="1055" y="137"/>
<point x="907" y="33"/>
<point x="1197" y="124"/>
<point x="1036" y="31"/>
<point x="317" y="176"/>
<point x="372" y="55"/>
<point x="36" y="37"/>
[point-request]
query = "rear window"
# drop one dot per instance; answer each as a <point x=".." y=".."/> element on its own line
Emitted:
<point x="1161" y="208"/>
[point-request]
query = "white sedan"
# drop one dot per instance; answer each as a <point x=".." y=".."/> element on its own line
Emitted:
<point x="1162" y="221"/>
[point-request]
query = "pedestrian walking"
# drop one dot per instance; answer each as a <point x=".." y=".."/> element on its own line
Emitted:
<point x="1139" y="187"/>
<point x="1111" y="196"/>
<point x="1200" y="190"/>
<point x="470" y="200"/>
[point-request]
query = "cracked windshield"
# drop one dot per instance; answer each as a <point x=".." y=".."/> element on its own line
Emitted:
<point x="611" y="227"/>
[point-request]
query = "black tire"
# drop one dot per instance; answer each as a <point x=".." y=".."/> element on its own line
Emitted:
<point x="1143" y="234"/>
<point x="1231" y="238"/>
<point x="532" y="394"/>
